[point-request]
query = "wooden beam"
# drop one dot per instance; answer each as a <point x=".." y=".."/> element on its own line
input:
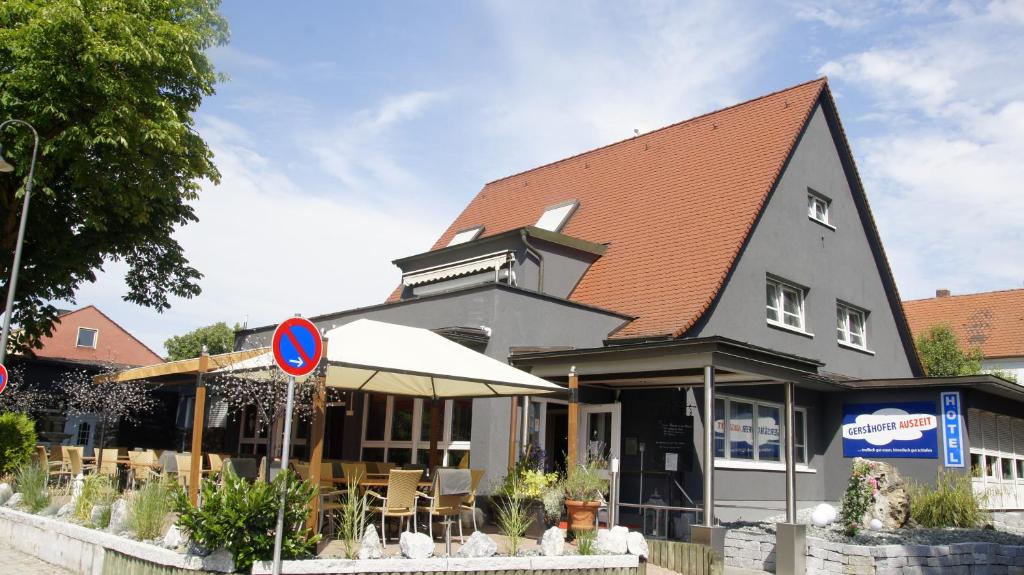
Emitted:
<point x="181" y="367"/>
<point x="435" y="431"/>
<point x="198" y="422"/>
<point x="512" y="433"/>
<point x="574" y="420"/>
<point x="316" y="454"/>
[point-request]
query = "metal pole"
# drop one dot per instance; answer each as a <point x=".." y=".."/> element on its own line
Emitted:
<point x="525" y="433"/>
<point x="21" y="238"/>
<point x="790" y="428"/>
<point x="286" y="447"/>
<point x="709" y="446"/>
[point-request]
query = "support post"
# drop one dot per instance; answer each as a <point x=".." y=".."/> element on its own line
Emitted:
<point x="707" y="533"/>
<point x="525" y="423"/>
<point x="285" y="452"/>
<point x="512" y="433"/>
<point x="316" y="454"/>
<point x="435" y="432"/>
<point x="198" y="423"/>
<point x="790" y="429"/>
<point x="574" y="420"/>
<point x="790" y="538"/>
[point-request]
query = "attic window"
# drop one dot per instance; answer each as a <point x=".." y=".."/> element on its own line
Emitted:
<point x="466" y="236"/>
<point x="818" y="208"/>
<point x="556" y="216"/>
<point x="87" y="337"/>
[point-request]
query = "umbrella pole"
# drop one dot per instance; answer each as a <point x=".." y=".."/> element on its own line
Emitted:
<point x="435" y="431"/>
<point x="286" y="448"/>
<point x="512" y="434"/>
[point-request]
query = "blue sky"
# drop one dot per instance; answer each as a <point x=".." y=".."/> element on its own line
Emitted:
<point x="352" y="133"/>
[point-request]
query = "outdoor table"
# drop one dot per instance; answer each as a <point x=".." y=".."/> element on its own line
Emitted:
<point x="377" y="482"/>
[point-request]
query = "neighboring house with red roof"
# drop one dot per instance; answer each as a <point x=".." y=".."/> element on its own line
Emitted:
<point x="736" y="251"/>
<point x="992" y="321"/>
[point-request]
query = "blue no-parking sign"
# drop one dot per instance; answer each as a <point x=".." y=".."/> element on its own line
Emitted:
<point x="297" y="346"/>
<point x="3" y="378"/>
<point x="952" y="429"/>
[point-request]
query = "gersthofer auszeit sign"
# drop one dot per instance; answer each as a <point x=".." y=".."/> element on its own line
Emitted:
<point x="890" y="430"/>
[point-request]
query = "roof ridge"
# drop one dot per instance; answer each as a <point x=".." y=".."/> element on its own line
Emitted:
<point x="980" y="293"/>
<point x="823" y="79"/>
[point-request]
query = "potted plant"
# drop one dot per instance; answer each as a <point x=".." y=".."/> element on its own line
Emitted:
<point x="585" y="490"/>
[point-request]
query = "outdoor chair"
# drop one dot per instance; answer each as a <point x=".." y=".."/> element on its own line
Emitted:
<point x="53" y="469"/>
<point x="354" y="473"/>
<point x="76" y="466"/>
<point x="109" y="464"/>
<point x="301" y="469"/>
<point x="441" y="503"/>
<point x="400" y="500"/>
<point x="243" y="467"/>
<point x="469" y="501"/>
<point x="142" y="465"/>
<point x="216" y="463"/>
<point x="184" y="463"/>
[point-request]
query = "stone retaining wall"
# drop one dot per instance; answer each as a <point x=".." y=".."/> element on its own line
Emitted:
<point x="750" y="550"/>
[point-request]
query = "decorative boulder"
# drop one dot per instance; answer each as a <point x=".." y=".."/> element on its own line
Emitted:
<point x="99" y="515"/>
<point x="415" y="545"/>
<point x="479" y="544"/>
<point x="66" y="510"/>
<point x="612" y="541"/>
<point x="76" y="487"/>
<point x="891" y="502"/>
<point x="13" y="501"/>
<point x="823" y="515"/>
<point x="636" y="544"/>
<point x="370" y="546"/>
<point x="5" y="492"/>
<point x="50" y="510"/>
<point x="219" y="561"/>
<point x="118" y="516"/>
<point x="173" y="538"/>
<point x="552" y="543"/>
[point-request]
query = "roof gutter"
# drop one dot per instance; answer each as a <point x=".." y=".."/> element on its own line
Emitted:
<point x="536" y="254"/>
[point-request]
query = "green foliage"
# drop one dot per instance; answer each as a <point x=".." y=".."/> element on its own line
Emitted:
<point x="218" y="338"/>
<point x="241" y="517"/>
<point x="1004" y="374"/>
<point x="585" y="541"/>
<point x="350" y="522"/>
<point x="96" y="490"/>
<point x="584" y="483"/>
<point x="31" y="484"/>
<point x="942" y="355"/>
<point x="512" y="516"/>
<point x="553" y="499"/>
<point x="111" y="86"/>
<point x="17" y="441"/>
<point x="859" y="492"/>
<point x="148" y="507"/>
<point x="951" y="502"/>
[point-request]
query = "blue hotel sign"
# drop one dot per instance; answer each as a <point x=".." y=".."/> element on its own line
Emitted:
<point x="952" y="429"/>
<point x="877" y="430"/>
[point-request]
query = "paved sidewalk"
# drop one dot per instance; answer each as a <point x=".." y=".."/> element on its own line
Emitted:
<point x="13" y="561"/>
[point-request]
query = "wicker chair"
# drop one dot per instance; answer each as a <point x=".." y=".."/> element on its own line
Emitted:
<point x="53" y="469"/>
<point x="75" y="465"/>
<point x="301" y="469"/>
<point x="184" y="463"/>
<point x="216" y="463"/>
<point x="441" y="506"/>
<point x="469" y="501"/>
<point x="108" y="466"/>
<point x="354" y="472"/>
<point x="142" y="464"/>
<point x="400" y="500"/>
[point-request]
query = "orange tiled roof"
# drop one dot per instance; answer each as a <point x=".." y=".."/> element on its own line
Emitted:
<point x="992" y="321"/>
<point x="675" y="206"/>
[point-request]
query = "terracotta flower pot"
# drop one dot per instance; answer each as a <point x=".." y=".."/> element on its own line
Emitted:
<point x="582" y="514"/>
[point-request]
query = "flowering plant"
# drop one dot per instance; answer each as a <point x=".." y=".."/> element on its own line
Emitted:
<point x="860" y="492"/>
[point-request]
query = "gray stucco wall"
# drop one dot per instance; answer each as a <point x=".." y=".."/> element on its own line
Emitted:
<point x="516" y="318"/>
<point x="833" y="264"/>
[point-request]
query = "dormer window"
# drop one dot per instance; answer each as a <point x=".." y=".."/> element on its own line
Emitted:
<point x="555" y="217"/>
<point x="818" y="208"/>
<point x="87" y="337"/>
<point x="466" y="236"/>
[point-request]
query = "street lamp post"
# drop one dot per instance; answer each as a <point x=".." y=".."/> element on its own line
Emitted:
<point x="6" y="167"/>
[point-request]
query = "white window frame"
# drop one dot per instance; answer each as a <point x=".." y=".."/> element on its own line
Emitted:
<point x="445" y="444"/>
<point x="95" y="337"/>
<point x="843" y="334"/>
<point x="814" y="199"/>
<point x="465" y="236"/>
<point x="781" y="287"/>
<point x="725" y="460"/>
<point x="567" y="210"/>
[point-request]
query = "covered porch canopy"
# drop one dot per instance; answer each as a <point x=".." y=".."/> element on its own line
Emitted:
<point x="709" y="363"/>
<point x="365" y="355"/>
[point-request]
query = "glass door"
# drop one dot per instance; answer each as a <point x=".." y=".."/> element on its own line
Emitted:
<point x="600" y="426"/>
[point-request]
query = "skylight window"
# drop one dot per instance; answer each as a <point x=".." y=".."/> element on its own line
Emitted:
<point x="555" y="217"/>
<point x="466" y="236"/>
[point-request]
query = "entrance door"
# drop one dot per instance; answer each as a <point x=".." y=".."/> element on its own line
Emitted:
<point x="599" y="426"/>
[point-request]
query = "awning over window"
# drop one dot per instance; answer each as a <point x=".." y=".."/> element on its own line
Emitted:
<point x="460" y="268"/>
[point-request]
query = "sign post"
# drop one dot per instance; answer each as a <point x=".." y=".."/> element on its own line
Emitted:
<point x="297" y="350"/>
<point x="952" y="426"/>
<point x="3" y="378"/>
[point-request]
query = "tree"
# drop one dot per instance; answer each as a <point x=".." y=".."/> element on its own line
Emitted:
<point x="218" y="338"/>
<point x="23" y="396"/>
<point x="111" y="87"/>
<point x="942" y="355"/>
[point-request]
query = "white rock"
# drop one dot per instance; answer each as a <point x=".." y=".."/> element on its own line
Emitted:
<point x="415" y="545"/>
<point x="66" y="510"/>
<point x="50" y="510"/>
<point x="370" y="546"/>
<point x="552" y="543"/>
<point x="13" y="501"/>
<point x="636" y="544"/>
<point x="5" y="492"/>
<point x="478" y="545"/>
<point x="76" y="487"/>
<point x="118" y="516"/>
<point x="875" y="524"/>
<point x="612" y="541"/>
<point x="96" y="516"/>
<point x="173" y="538"/>
<point x="220" y="561"/>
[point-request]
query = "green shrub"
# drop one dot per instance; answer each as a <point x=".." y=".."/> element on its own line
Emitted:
<point x="585" y="541"/>
<point x="241" y="517"/>
<point x="859" y="492"/>
<point x="96" y="490"/>
<point x="31" y="483"/>
<point x="350" y="523"/>
<point x="951" y="502"/>
<point x="584" y="483"/>
<point x="148" y="507"/>
<point x="17" y="441"/>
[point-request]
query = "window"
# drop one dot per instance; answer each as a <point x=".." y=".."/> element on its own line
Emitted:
<point x="760" y="441"/>
<point x="466" y="236"/>
<point x="817" y="208"/>
<point x="397" y="429"/>
<point x="785" y="304"/>
<point x="83" y="433"/>
<point x="851" y="327"/>
<point x="555" y="217"/>
<point x="87" y="337"/>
